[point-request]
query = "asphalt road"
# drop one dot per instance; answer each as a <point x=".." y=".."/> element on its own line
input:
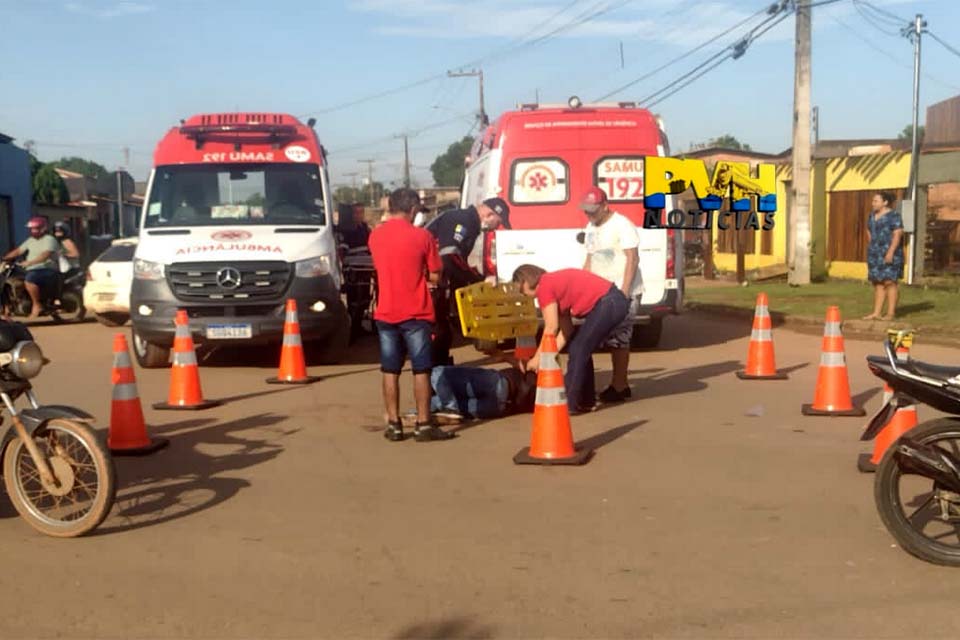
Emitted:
<point x="285" y="514"/>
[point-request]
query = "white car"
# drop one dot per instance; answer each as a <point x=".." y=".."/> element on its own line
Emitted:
<point x="107" y="292"/>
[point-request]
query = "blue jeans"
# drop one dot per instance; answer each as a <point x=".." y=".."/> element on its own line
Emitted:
<point x="602" y="320"/>
<point x="409" y="338"/>
<point x="469" y="391"/>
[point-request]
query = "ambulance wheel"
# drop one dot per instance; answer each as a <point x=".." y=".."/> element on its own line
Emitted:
<point x="149" y="355"/>
<point x="647" y="336"/>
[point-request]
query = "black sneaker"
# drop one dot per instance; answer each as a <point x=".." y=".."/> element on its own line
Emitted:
<point x="394" y="431"/>
<point x="611" y="395"/>
<point x="430" y="432"/>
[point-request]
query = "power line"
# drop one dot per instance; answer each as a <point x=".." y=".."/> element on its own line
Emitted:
<point x="946" y="46"/>
<point x="882" y="13"/>
<point x="689" y="53"/>
<point x="873" y="21"/>
<point x="580" y="19"/>
<point x="733" y="51"/>
<point x="867" y="41"/>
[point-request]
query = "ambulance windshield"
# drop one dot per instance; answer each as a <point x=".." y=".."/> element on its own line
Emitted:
<point x="269" y="194"/>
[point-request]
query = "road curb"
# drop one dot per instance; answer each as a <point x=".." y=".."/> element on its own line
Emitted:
<point x="863" y="329"/>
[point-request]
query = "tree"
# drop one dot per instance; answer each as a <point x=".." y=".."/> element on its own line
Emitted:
<point x="449" y="167"/>
<point x="727" y="141"/>
<point x="348" y="195"/>
<point x="907" y="133"/>
<point x="48" y="186"/>
<point x="82" y="166"/>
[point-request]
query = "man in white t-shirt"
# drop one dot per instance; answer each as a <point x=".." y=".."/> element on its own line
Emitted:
<point x="611" y="241"/>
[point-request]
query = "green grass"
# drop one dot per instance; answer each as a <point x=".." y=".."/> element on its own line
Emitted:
<point x="918" y="306"/>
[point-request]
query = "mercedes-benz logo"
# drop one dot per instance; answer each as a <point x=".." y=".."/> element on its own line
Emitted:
<point x="228" y="278"/>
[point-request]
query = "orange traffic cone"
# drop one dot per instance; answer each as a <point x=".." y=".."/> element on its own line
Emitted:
<point x="185" y="393"/>
<point x="128" y="432"/>
<point x="832" y="394"/>
<point x="904" y="418"/>
<point x="551" y="441"/>
<point x="526" y="348"/>
<point x="293" y="366"/>
<point x="760" y="360"/>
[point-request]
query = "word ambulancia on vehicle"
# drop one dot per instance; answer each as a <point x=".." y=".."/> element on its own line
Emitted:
<point x="730" y="180"/>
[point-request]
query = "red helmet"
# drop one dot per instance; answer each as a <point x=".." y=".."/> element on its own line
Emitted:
<point x="37" y="222"/>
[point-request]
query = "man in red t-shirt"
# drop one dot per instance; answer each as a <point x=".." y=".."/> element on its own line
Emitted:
<point x="562" y="296"/>
<point x="405" y="258"/>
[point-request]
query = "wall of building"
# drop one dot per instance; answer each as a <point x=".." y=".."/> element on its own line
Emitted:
<point x="861" y="173"/>
<point x="15" y="188"/>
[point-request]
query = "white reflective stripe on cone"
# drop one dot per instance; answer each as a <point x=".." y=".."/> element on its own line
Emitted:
<point x="832" y="359"/>
<point x="551" y="397"/>
<point x="126" y="391"/>
<point x="903" y="355"/>
<point x="184" y="359"/>
<point x="762" y="312"/>
<point x="292" y="340"/>
<point x="183" y="331"/>
<point x="292" y="317"/>
<point x="832" y="329"/>
<point x="121" y="360"/>
<point x="548" y="362"/>
<point x="761" y="335"/>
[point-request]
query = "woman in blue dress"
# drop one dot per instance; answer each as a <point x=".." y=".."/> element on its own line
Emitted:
<point x="884" y="254"/>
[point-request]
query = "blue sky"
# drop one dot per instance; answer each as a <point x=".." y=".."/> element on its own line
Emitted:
<point x="88" y="77"/>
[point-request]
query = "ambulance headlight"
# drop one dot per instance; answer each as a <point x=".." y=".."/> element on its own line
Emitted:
<point x="314" y="267"/>
<point x="147" y="270"/>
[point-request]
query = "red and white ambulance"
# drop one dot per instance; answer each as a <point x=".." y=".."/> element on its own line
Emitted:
<point x="236" y="220"/>
<point x="541" y="159"/>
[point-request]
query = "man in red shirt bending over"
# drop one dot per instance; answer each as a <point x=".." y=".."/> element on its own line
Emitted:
<point x="574" y="293"/>
<point x="405" y="258"/>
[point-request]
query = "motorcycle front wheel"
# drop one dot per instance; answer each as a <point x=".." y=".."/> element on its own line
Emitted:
<point x="923" y="517"/>
<point x="87" y="480"/>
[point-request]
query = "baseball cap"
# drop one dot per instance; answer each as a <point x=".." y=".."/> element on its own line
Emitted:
<point x="499" y="207"/>
<point x="593" y="199"/>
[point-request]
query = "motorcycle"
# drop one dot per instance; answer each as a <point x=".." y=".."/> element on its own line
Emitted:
<point x="65" y="305"/>
<point x="57" y="474"/>
<point x="917" y="484"/>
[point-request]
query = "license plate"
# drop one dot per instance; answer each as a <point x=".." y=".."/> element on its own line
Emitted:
<point x="229" y="331"/>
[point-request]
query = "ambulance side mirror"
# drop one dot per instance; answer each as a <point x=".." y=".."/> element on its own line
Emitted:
<point x="581" y="237"/>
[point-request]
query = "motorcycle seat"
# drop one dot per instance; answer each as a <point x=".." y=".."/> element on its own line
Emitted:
<point x="947" y="374"/>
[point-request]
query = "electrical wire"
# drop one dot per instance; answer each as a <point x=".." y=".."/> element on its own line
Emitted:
<point x="943" y="43"/>
<point x="889" y="55"/>
<point x="734" y="51"/>
<point x="685" y="55"/>
<point x="891" y="18"/>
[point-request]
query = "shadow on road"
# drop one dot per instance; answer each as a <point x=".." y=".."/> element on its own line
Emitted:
<point x="184" y="478"/>
<point x="864" y="397"/>
<point x="453" y="628"/>
<point x="679" y="381"/>
<point x="694" y="330"/>
<point x="602" y="439"/>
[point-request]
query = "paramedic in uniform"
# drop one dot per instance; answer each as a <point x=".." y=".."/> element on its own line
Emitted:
<point x="456" y="232"/>
<point x="611" y="241"/>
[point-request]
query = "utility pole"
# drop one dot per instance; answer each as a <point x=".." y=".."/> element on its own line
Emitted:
<point x="369" y="164"/>
<point x="474" y="73"/>
<point x="353" y="178"/>
<point x="913" y="32"/>
<point x="799" y="214"/>
<point x="406" y="159"/>
<point x="120" y="202"/>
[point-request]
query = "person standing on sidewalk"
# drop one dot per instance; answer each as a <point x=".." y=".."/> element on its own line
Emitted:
<point x="564" y="295"/>
<point x="405" y="259"/>
<point x="884" y="254"/>
<point x="456" y="232"/>
<point x="611" y="241"/>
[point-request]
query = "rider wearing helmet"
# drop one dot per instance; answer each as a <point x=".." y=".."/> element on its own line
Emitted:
<point x="41" y="251"/>
<point x="69" y="254"/>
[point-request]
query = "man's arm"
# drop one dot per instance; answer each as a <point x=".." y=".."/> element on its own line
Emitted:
<point x="13" y="253"/>
<point x="630" y="271"/>
<point x="551" y="325"/>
